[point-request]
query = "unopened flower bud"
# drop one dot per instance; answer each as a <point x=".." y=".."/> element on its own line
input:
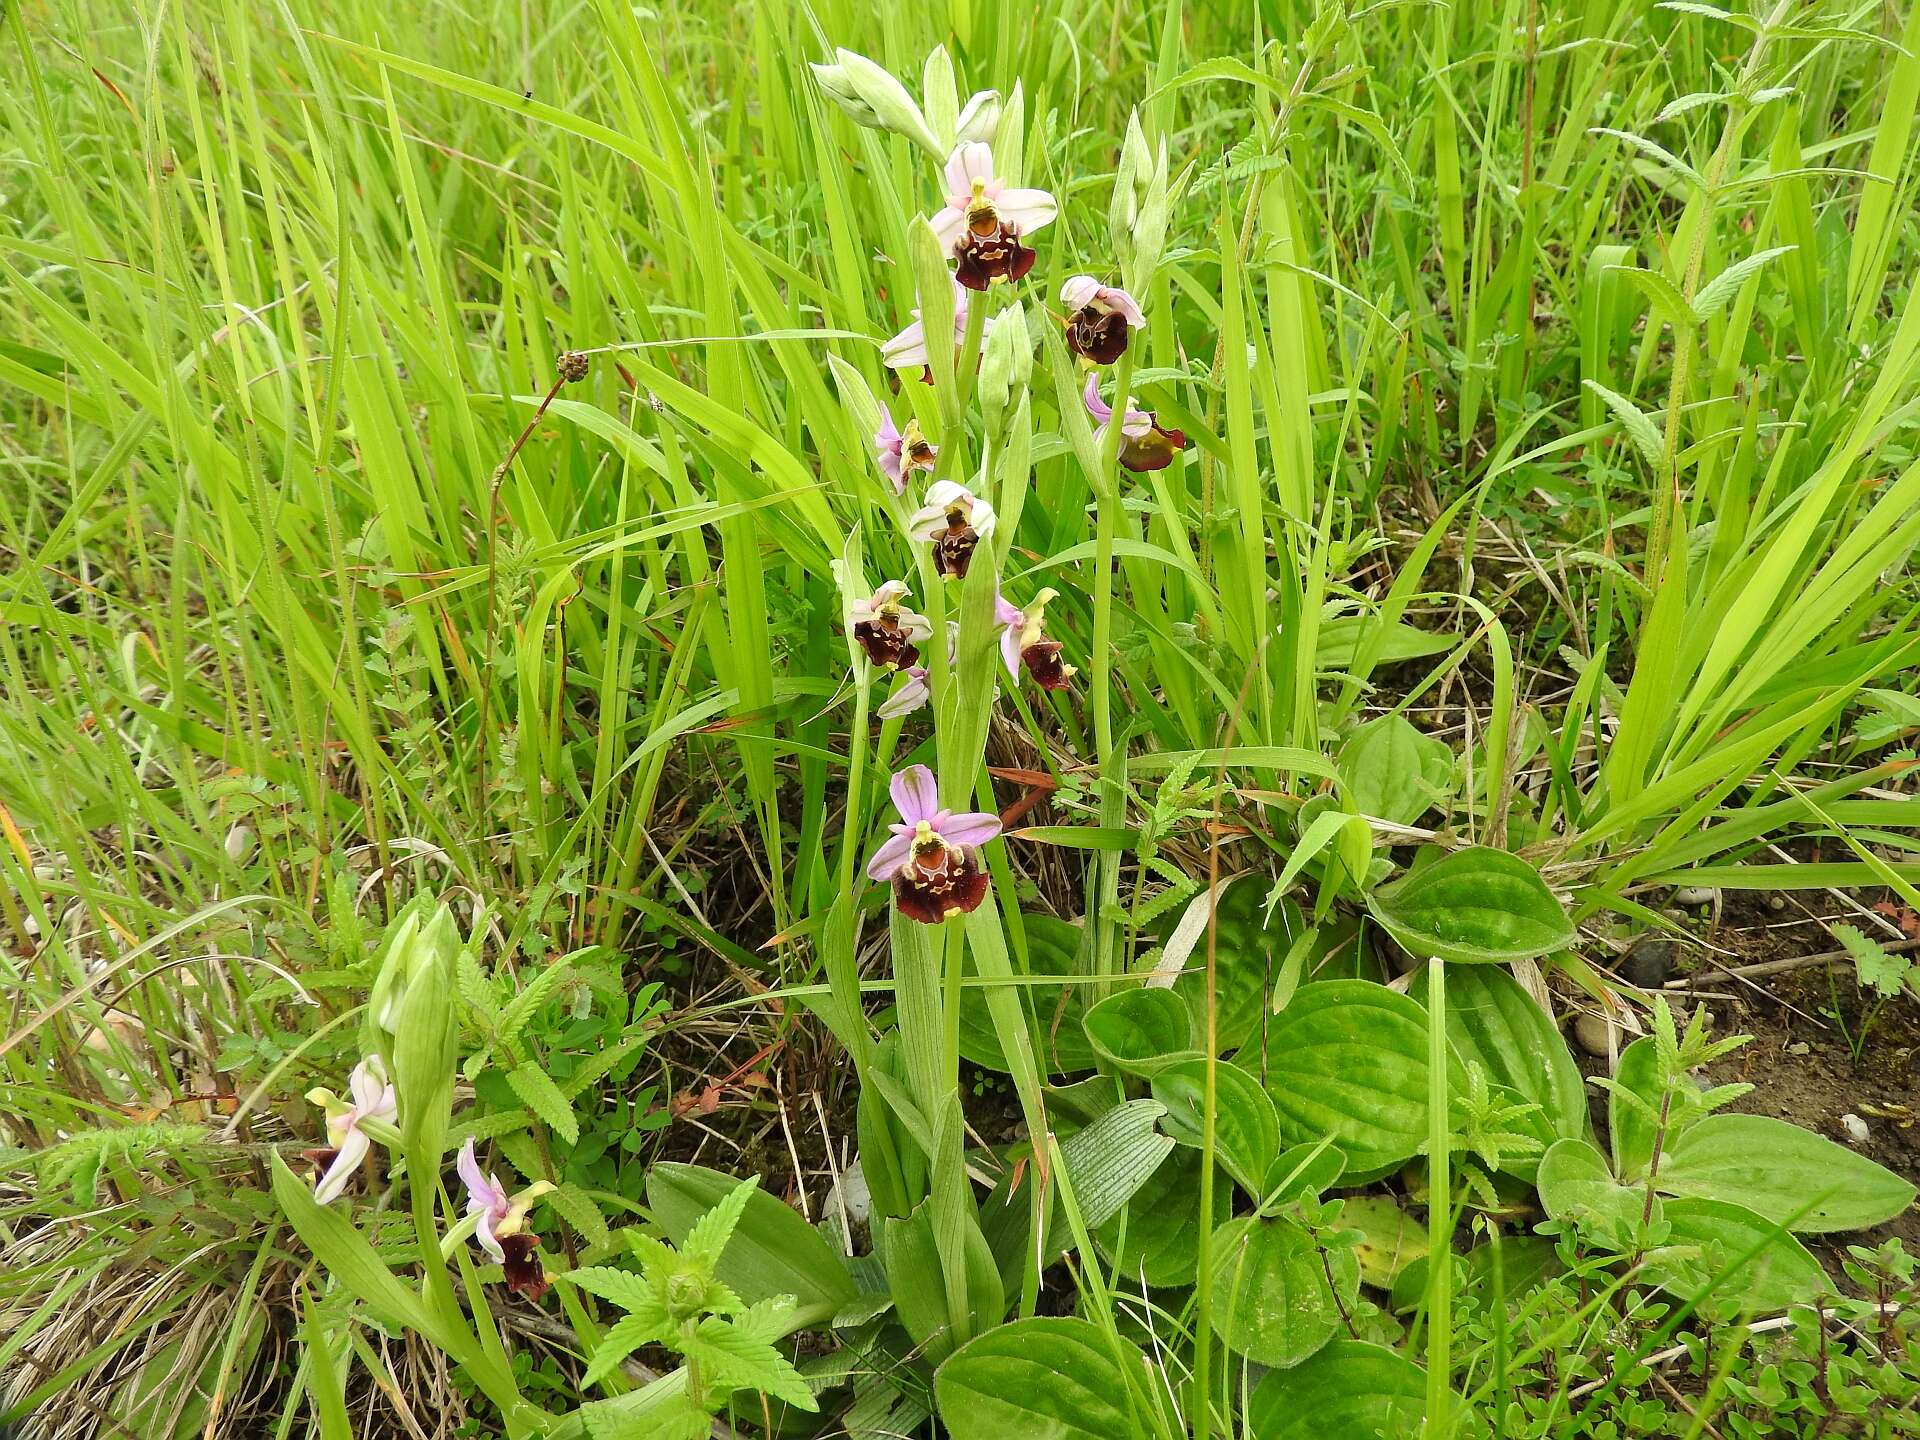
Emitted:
<point x="877" y="92"/>
<point x="979" y="118"/>
<point x="836" y="85"/>
<point x="1006" y="365"/>
<point x="424" y="1043"/>
<point x="572" y="365"/>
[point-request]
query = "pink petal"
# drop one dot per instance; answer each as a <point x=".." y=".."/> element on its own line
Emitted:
<point x="1079" y="292"/>
<point x="1026" y="210"/>
<point x="967" y="164"/>
<point x="368" y="1080"/>
<point x="1124" y="305"/>
<point x="970" y="830"/>
<point x="490" y="1242"/>
<point x="353" y="1149"/>
<point x="904" y="701"/>
<point x="948" y="223"/>
<point x="916" y="794"/>
<point x="1010" y="648"/>
<point x="1096" y="407"/>
<point x="907" y="350"/>
<point x="888" y="859"/>
<point x="471" y="1176"/>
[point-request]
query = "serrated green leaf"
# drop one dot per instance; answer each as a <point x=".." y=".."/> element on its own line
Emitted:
<point x="538" y="1092"/>
<point x="1640" y="428"/>
<point x="707" y="1241"/>
<point x="1718" y="291"/>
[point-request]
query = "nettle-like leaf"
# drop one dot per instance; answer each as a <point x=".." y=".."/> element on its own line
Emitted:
<point x="711" y="1232"/>
<point x="1886" y="975"/>
<point x="737" y="1357"/>
<point x="539" y="1094"/>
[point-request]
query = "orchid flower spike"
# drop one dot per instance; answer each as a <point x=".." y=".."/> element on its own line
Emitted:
<point x="932" y="857"/>
<point x="373" y="1098"/>
<point x="1023" y="641"/>
<point x="1143" y="444"/>
<point x="502" y="1227"/>
<point x="1099" y="319"/>
<point x="908" y="349"/>
<point x="888" y="631"/>
<point x="984" y="219"/>
<point x="899" y="452"/>
<point x="955" y="520"/>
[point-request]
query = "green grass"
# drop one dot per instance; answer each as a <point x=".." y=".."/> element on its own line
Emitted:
<point x="1552" y="378"/>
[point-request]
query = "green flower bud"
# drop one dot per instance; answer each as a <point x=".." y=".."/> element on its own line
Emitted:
<point x="425" y="1042"/>
<point x="979" y="118"/>
<point x="1006" y="365"/>
<point x="876" y="89"/>
<point x="940" y="97"/>
<point x="838" y="88"/>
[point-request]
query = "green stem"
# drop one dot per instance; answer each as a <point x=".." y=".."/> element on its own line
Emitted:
<point x="1108" y="520"/>
<point x="1439" y="1213"/>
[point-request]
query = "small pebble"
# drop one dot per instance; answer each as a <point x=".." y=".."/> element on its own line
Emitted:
<point x="1776" y="902"/>
<point x="1591" y="1032"/>
<point x="1694" y="896"/>
<point x="1855" y="1127"/>
<point x="1799" y="1047"/>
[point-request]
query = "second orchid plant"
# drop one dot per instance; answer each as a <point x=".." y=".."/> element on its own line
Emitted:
<point x="945" y="637"/>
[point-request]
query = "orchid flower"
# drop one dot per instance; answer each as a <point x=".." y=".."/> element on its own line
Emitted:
<point x="908" y="349"/>
<point x="899" y="452"/>
<point x="984" y="218"/>
<point x="1143" y="444"/>
<point x="955" y="520"/>
<point x="502" y="1220"/>
<point x="1100" y="318"/>
<point x="1023" y="640"/>
<point x="888" y="631"/>
<point x="932" y="857"/>
<point x="347" y="1142"/>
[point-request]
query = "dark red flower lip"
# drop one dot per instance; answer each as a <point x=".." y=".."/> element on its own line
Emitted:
<point x="953" y="883"/>
<point x="953" y="551"/>
<point x="886" y="644"/>
<point x="1097" y="335"/>
<point x="1153" y="451"/>
<point x="981" y="257"/>
<point x="522" y="1269"/>
<point x="1043" y="662"/>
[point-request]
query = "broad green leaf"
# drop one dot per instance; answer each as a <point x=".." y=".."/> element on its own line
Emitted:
<point x="1304" y="1172"/>
<point x="1113" y="1157"/>
<point x="1246" y="1132"/>
<point x="1142" y="1030"/>
<point x="1161" y="1243"/>
<point x="1043" y="1379"/>
<point x="1052" y="948"/>
<point x="1776" y="1169"/>
<point x="1393" y="772"/>
<point x="1495" y="1024"/>
<point x="1348" y="1059"/>
<point x="1474" y="906"/>
<point x="1271" y="1301"/>
<point x="1629" y="1127"/>
<point x="1350" y="1389"/>
<point x="915" y="1276"/>
<point x="1705" y="1236"/>
<point x="1393" y="1239"/>
<point x="1251" y="939"/>
<point x="772" y="1251"/>
<point x="1576" y="1187"/>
